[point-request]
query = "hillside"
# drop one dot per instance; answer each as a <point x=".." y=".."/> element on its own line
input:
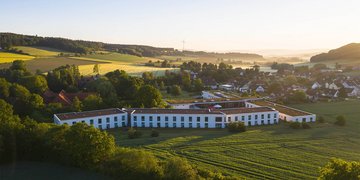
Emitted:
<point x="344" y="53"/>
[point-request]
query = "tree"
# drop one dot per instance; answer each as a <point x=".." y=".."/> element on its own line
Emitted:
<point x="77" y="105"/>
<point x="175" y="90"/>
<point x="148" y="76"/>
<point x="340" y="121"/>
<point x="295" y="125"/>
<point x="340" y="169"/>
<point x="96" y="69"/>
<point x="18" y="65"/>
<point x="86" y="146"/>
<point x="149" y="97"/>
<point x="305" y="125"/>
<point x="132" y="164"/>
<point x="198" y="85"/>
<point x="342" y="93"/>
<point x="162" y="85"/>
<point x="236" y="127"/>
<point x="133" y="133"/>
<point x="92" y="102"/>
<point x="185" y="80"/>
<point x="105" y="89"/>
<point x="178" y="169"/>
<point x="4" y="88"/>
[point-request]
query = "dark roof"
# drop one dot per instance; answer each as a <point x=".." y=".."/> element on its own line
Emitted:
<point x="174" y="111"/>
<point x="246" y="110"/>
<point x="281" y="108"/>
<point x="77" y="115"/>
<point x="201" y="111"/>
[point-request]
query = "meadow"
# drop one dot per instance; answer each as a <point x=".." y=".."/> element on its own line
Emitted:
<point x="40" y="51"/>
<point x="263" y="152"/>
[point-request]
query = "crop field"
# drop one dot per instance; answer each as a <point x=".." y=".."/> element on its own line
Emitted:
<point x="40" y="51"/>
<point x="6" y="57"/>
<point x="124" y="58"/>
<point x="263" y="152"/>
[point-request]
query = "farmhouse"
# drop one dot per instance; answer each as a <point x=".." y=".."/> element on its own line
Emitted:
<point x="285" y="113"/>
<point x="170" y="118"/>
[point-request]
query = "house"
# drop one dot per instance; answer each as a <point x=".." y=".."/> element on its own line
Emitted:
<point x="170" y="118"/>
<point x="245" y="87"/>
<point x="63" y="97"/>
<point x="285" y="113"/>
<point x="260" y="89"/>
<point x="208" y="95"/>
<point x="210" y="83"/>
<point x="332" y="85"/>
<point x="352" y="92"/>
<point x="316" y="85"/>
<point x="227" y="87"/>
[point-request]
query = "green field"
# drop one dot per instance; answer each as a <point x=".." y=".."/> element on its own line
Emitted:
<point x="40" y="51"/>
<point x="6" y="57"/>
<point x="123" y="58"/>
<point x="41" y="170"/>
<point x="268" y="152"/>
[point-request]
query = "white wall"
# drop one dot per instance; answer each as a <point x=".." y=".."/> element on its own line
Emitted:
<point x="111" y="122"/>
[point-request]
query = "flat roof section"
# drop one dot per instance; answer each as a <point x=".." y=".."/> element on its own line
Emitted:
<point x="173" y="111"/>
<point x="281" y="108"/>
<point x="246" y="110"/>
<point x="85" y="114"/>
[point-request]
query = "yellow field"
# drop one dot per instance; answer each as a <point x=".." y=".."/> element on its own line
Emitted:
<point x="10" y="57"/>
<point x="39" y="51"/>
<point x="132" y="69"/>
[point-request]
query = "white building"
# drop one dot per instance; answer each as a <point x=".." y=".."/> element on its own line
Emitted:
<point x="170" y="118"/>
<point x="102" y="119"/>
<point x="316" y="85"/>
<point x="285" y="113"/>
<point x="208" y="95"/>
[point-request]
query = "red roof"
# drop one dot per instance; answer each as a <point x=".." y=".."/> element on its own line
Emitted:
<point x="63" y="97"/>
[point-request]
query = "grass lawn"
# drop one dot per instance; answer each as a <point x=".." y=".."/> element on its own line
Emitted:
<point x="41" y="170"/>
<point x="40" y="51"/>
<point x="6" y="57"/>
<point x="264" y="152"/>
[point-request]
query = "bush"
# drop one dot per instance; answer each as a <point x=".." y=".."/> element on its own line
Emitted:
<point x="178" y="168"/>
<point x="154" y="133"/>
<point x="295" y="125"/>
<point x="133" y="133"/>
<point x="340" y="121"/>
<point x="305" y="125"/>
<point x="321" y="119"/>
<point x="236" y="127"/>
<point x="340" y="169"/>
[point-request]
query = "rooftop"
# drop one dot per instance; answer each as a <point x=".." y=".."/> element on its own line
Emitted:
<point x="281" y="108"/>
<point x="201" y="111"/>
<point x="77" y="115"/>
<point x="246" y="110"/>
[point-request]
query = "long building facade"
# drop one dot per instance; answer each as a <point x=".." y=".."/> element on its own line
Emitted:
<point x="170" y="118"/>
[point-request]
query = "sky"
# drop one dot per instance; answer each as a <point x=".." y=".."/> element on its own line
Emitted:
<point x="210" y="25"/>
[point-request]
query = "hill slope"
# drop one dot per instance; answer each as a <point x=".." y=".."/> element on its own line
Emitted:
<point x="347" y="52"/>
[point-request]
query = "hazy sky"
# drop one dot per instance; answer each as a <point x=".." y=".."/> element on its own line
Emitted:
<point x="213" y="25"/>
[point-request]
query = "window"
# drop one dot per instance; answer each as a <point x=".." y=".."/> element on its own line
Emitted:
<point x="229" y="119"/>
<point x="206" y="119"/>
<point x="174" y="125"/>
<point x="218" y="119"/>
<point x="198" y="125"/>
<point x="100" y="126"/>
<point x="198" y="119"/>
<point x="167" y="125"/>
<point x="142" y="118"/>
<point x="107" y="126"/>
<point x="256" y="116"/>
<point x="135" y="118"/>
<point x="107" y="120"/>
<point x="158" y="118"/>
<point x="249" y="117"/>
<point x="123" y="124"/>
<point x="123" y="118"/>
<point x="116" y="125"/>
<point x="268" y="116"/>
<point x="151" y="125"/>
<point x="135" y="124"/>
<point x="262" y="122"/>
<point x="275" y="115"/>
<point x="269" y="122"/>
<point x="243" y="118"/>
<point x="166" y="118"/>
<point x="174" y="118"/>
<point x="304" y="120"/>
<point x="158" y="124"/>
<point x="190" y="125"/>
<point x="182" y="119"/>
<point x="190" y="119"/>
<point x="249" y="123"/>
<point x="206" y="125"/>
<point x="311" y="119"/>
<point x="83" y="121"/>
<point x="142" y="124"/>
<point x="262" y="116"/>
<point x="218" y="125"/>
<point x="91" y="121"/>
<point x="182" y="125"/>
<point x="115" y="118"/>
<point x="151" y="118"/>
<point x="73" y="122"/>
<point x="236" y="118"/>
<point x="99" y="121"/>
<point x="275" y="121"/>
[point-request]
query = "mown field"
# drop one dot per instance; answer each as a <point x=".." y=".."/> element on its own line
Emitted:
<point x="268" y="152"/>
<point x="40" y="51"/>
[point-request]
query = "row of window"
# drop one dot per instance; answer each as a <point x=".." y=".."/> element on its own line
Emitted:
<point x="174" y="118"/>
<point x="174" y="125"/>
